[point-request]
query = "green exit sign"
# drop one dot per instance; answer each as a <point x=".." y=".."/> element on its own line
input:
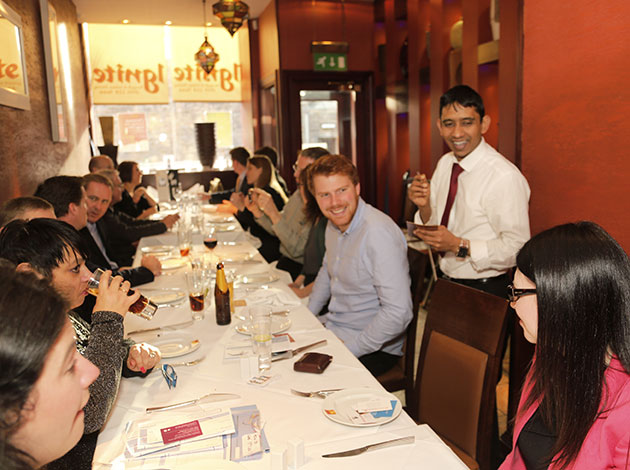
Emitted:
<point x="330" y="61"/>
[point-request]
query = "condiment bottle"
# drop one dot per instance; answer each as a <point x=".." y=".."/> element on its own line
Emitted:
<point x="222" y="297"/>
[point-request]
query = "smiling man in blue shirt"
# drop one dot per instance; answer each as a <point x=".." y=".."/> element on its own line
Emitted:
<point x="365" y="273"/>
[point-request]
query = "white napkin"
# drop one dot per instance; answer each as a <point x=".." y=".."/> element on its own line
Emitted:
<point x="195" y="189"/>
<point x="271" y="296"/>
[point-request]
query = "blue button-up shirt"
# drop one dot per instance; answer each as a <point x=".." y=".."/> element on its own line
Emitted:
<point x="365" y="273"/>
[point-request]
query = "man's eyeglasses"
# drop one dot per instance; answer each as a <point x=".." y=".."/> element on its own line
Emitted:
<point x="514" y="294"/>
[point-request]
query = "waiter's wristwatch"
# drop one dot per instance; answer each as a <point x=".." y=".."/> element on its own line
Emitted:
<point x="464" y="248"/>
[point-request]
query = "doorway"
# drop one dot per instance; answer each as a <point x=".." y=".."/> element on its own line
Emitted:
<point x="331" y="110"/>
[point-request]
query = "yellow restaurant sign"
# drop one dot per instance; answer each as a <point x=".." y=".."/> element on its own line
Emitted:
<point x="190" y="82"/>
<point x="130" y="65"/>
<point x="11" y="75"/>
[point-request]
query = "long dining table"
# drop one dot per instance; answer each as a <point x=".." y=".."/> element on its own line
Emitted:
<point x="289" y="421"/>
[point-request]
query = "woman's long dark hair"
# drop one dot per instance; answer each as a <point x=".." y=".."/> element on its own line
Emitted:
<point x="311" y="208"/>
<point x="268" y="176"/>
<point x="32" y="316"/>
<point x="582" y="279"/>
<point x="125" y="170"/>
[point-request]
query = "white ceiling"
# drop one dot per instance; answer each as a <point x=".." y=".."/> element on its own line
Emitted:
<point x="155" y="12"/>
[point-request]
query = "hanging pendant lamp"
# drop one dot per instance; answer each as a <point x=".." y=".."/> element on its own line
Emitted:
<point x="205" y="56"/>
<point x="231" y="13"/>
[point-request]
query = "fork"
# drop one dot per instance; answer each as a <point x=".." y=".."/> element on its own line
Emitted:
<point x="317" y="393"/>
<point x="189" y="363"/>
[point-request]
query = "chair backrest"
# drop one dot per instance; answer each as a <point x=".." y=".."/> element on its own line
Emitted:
<point x="402" y="375"/>
<point x="418" y="262"/>
<point x="459" y="365"/>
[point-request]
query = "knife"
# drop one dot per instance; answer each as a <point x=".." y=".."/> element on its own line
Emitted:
<point x="381" y="445"/>
<point x="166" y="328"/>
<point x="279" y="356"/>
<point x="210" y="397"/>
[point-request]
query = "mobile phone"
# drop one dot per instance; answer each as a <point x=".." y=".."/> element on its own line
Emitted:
<point x="411" y="227"/>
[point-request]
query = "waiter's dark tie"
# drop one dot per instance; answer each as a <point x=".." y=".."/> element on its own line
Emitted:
<point x="452" y="191"/>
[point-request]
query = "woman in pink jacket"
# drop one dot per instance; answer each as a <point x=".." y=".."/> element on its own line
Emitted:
<point x="571" y="292"/>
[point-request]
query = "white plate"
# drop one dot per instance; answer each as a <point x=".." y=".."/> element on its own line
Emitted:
<point x="166" y="298"/>
<point x="257" y="278"/>
<point x="338" y="405"/>
<point x="220" y="218"/>
<point x="278" y="325"/>
<point x="173" y="263"/>
<point x="176" y="345"/>
<point x="157" y="250"/>
<point x="225" y="228"/>
<point x="235" y="256"/>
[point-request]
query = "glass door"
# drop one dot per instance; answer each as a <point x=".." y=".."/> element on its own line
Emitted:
<point x="328" y="121"/>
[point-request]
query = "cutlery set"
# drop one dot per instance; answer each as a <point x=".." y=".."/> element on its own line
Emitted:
<point x="281" y="355"/>
<point x="276" y="356"/>
<point x="379" y="445"/>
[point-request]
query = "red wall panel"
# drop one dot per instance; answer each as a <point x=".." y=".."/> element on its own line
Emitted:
<point x="575" y="136"/>
<point x="305" y="21"/>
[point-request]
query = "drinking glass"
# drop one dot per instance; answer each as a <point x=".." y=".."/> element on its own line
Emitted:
<point x="209" y="239"/>
<point x="260" y="329"/>
<point x="196" y="292"/>
<point x="184" y="238"/>
<point x="142" y="307"/>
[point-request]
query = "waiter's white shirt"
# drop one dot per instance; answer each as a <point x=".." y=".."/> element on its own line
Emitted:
<point x="491" y="209"/>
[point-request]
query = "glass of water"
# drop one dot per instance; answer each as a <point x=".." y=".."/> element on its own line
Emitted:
<point x="260" y="329"/>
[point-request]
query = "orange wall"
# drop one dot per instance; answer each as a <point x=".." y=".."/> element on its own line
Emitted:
<point x="575" y="134"/>
<point x="305" y="21"/>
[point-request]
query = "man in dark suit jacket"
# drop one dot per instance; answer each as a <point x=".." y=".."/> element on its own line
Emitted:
<point x="98" y="190"/>
<point x="123" y="231"/>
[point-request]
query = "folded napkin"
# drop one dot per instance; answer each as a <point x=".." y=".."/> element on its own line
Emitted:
<point x="272" y="296"/>
<point x="195" y="189"/>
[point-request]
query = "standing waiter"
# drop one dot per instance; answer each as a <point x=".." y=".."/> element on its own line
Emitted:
<point x="477" y="198"/>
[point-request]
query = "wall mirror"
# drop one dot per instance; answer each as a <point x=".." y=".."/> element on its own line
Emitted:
<point x="54" y="72"/>
<point x="13" y="83"/>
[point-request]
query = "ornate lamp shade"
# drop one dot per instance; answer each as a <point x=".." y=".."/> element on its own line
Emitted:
<point x="206" y="57"/>
<point x="231" y="13"/>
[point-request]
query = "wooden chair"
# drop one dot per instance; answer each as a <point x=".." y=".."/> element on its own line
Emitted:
<point x="458" y="369"/>
<point x="401" y="376"/>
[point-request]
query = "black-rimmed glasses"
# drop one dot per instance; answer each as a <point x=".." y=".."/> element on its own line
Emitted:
<point x="514" y="294"/>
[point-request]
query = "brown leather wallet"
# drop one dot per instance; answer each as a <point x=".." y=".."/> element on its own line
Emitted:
<point x="312" y="362"/>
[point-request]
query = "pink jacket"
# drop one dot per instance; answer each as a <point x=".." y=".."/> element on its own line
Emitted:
<point x="607" y="443"/>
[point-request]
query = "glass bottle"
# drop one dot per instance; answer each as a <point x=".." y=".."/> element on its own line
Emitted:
<point x="222" y="297"/>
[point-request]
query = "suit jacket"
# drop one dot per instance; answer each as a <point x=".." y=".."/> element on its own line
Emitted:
<point x="242" y="186"/>
<point x="135" y="276"/>
<point x="122" y="230"/>
<point x="607" y="443"/>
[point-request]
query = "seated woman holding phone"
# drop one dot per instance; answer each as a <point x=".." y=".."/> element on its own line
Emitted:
<point x="260" y="175"/>
<point x="571" y="292"/>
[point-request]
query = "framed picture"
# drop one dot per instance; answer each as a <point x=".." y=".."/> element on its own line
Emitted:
<point x="13" y="83"/>
<point x="54" y="72"/>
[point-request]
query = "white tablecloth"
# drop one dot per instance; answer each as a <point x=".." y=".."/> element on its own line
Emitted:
<point x="285" y="416"/>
